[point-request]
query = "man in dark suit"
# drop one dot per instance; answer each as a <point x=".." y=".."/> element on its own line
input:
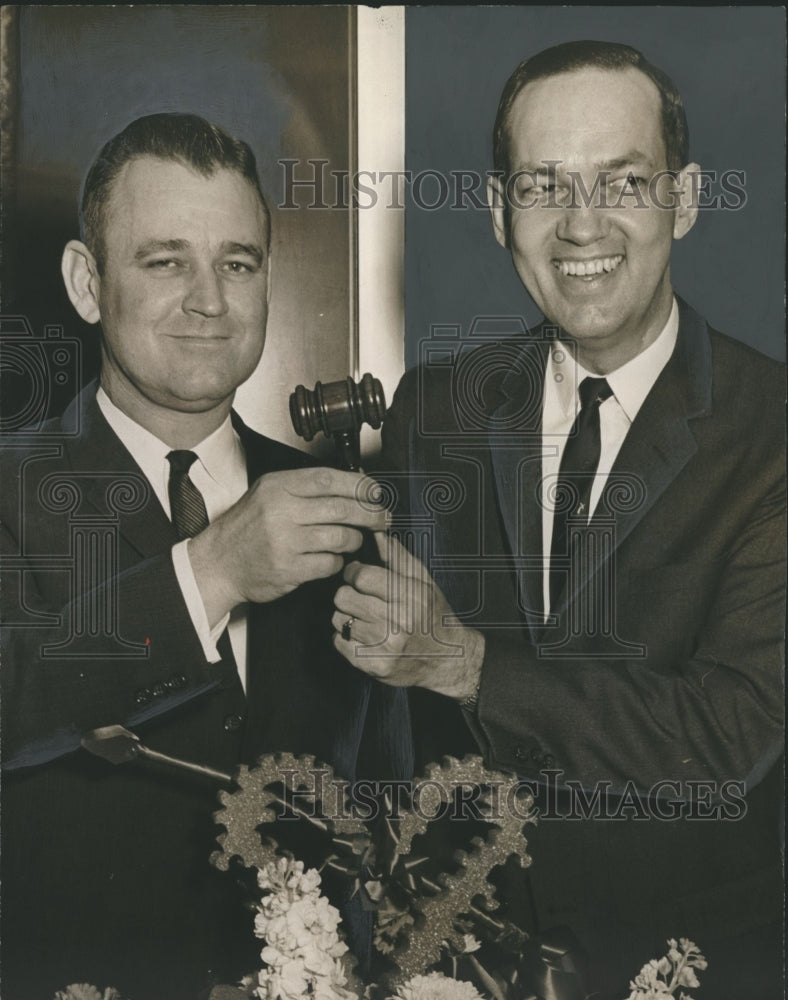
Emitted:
<point x="166" y="569"/>
<point x="602" y="507"/>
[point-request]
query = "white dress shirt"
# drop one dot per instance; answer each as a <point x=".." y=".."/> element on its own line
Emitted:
<point x="631" y="383"/>
<point x="219" y="473"/>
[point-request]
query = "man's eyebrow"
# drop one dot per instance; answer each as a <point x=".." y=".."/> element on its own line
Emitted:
<point x="160" y="246"/>
<point x="246" y="249"/>
<point x="545" y="167"/>
<point x="550" y="167"/>
<point x="633" y="158"/>
<point x="181" y="246"/>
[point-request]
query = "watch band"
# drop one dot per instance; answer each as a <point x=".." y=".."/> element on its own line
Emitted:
<point x="469" y="704"/>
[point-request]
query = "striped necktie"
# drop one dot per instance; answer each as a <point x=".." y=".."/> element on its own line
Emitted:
<point x="187" y="506"/>
<point x="189" y="518"/>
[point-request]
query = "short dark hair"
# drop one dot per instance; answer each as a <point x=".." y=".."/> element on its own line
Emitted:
<point x="186" y="138"/>
<point x="572" y="56"/>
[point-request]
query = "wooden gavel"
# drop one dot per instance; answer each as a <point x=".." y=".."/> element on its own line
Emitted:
<point x="339" y="409"/>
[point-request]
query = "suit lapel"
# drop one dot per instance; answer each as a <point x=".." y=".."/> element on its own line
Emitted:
<point x="515" y="441"/>
<point x="99" y="459"/>
<point x="275" y="631"/>
<point x="660" y="441"/>
<point x="258" y="460"/>
<point x="658" y="446"/>
<point x="98" y="456"/>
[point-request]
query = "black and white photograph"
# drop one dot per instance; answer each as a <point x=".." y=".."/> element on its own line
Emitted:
<point x="392" y="533"/>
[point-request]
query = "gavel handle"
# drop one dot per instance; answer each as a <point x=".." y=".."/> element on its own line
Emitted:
<point x="348" y="458"/>
<point x="347" y="448"/>
<point x="368" y="553"/>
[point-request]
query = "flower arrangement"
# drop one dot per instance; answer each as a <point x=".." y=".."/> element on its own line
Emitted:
<point x="660" y="978"/>
<point x="305" y="957"/>
<point x="305" y="960"/>
<point x="302" y="951"/>
<point x="424" y="918"/>
<point x="439" y="933"/>
<point x="436" y="986"/>
<point x="84" y="991"/>
<point x="423" y="915"/>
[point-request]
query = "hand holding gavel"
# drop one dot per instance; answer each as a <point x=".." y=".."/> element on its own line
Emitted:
<point x="294" y="526"/>
<point x="339" y="409"/>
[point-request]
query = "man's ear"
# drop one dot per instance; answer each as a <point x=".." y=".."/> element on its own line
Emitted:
<point x="496" y="199"/>
<point x="686" y="211"/>
<point x="82" y="281"/>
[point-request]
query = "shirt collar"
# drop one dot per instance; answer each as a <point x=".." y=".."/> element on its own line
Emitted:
<point x="216" y="452"/>
<point x="219" y="451"/>
<point x="631" y="383"/>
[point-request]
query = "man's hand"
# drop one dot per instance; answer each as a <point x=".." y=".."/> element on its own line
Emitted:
<point x="403" y="631"/>
<point x="288" y="528"/>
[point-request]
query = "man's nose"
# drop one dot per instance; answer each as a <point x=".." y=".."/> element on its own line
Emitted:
<point x="205" y="294"/>
<point x="582" y="224"/>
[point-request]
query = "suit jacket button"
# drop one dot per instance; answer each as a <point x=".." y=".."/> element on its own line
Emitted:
<point x="233" y="723"/>
<point x="143" y="696"/>
<point x="159" y="690"/>
<point x="548" y="760"/>
<point x="519" y="753"/>
<point x="536" y="755"/>
<point x="176" y="681"/>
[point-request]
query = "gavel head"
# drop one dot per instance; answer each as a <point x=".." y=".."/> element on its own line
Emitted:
<point x="337" y="408"/>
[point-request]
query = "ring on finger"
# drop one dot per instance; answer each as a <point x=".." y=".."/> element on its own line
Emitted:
<point x="347" y="626"/>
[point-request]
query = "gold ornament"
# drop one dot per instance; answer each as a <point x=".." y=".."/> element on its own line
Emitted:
<point x="460" y="893"/>
<point x="247" y="808"/>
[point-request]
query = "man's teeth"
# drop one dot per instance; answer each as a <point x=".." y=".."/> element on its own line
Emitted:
<point x="585" y="268"/>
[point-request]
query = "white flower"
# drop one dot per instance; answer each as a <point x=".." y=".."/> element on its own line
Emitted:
<point x="78" y="991"/>
<point x="299" y="927"/>
<point x="84" y="991"/>
<point x="436" y="986"/>
<point x="310" y="881"/>
<point x="470" y="943"/>
<point x="659" y="979"/>
<point x="688" y="978"/>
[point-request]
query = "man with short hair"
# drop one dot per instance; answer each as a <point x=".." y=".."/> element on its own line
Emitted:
<point x="608" y="608"/>
<point x="195" y="602"/>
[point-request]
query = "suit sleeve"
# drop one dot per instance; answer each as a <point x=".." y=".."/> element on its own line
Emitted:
<point x="57" y="683"/>
<point x="713" y="712"/>
<point x="714" y="716"/>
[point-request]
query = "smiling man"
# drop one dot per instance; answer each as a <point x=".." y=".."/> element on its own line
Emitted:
<point x="599" y="268"/>
<point x="180" y="279"/>
<point x="166" y="574"/>
<point x="603" y="503"/>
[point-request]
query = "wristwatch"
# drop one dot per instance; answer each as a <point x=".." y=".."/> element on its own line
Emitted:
<point x="469" y="704"/>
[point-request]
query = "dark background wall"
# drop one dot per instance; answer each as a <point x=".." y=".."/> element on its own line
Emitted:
<point x="728" y="63"/>
<point x="277" y="77"/>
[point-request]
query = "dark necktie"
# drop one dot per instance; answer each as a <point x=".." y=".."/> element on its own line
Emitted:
<point x="187" y="506"/>
<point x="576" y="476"/>
<point x="189" y="517"/>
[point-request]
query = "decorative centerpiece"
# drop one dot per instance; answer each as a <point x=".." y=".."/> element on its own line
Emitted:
<point x="423" y="887"/>
<point x="423" y="915"/>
